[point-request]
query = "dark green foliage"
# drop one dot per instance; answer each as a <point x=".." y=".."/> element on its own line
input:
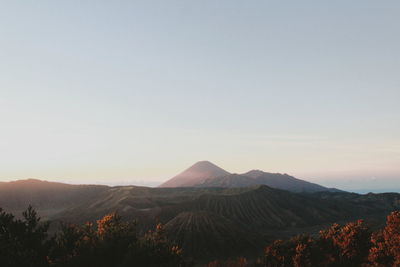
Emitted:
<point x="154" y="250"/>
<point x="23" y="242"/>
<point x="112" y="242"/>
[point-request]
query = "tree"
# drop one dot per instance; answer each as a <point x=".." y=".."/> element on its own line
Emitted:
<point x="154" y="249"/>
<point x="23" y="242"/>
<point x="345" y="246"/>
<point x="305" y="253"/>
<point x="385" y="250"/>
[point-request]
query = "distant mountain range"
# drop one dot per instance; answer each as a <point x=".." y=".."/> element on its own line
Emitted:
<point x="213" y="215"/>
<point x="206" y="222"/>
<point x="207" y="174"/>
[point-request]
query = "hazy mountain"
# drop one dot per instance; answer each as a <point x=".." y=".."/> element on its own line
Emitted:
<point x="47" y="197"/>
<point x="285" y="182"/>
<point x="195" y="175"/>
<point x="206" y="174"/>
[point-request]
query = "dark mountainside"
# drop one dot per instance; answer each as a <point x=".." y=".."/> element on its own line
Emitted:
<point x="196" y="217"/>
<point x="195" y="175"/>
<point x="210" y="213"/>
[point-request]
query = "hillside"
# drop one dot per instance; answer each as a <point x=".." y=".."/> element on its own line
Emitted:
<point x="230" y="180"/>
<point x="274" y="180"/>
<point x="205" y="234"/>
<point x="286" y="182"/>
<point x="194" y="215"/>
<point x="47" y="197"/>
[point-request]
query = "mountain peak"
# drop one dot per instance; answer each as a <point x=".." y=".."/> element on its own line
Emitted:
<point x="197" y="173"/>
<point x="204" y="164"/>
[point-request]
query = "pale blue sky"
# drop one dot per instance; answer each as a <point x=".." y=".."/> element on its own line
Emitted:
<point x="120" y="91"/>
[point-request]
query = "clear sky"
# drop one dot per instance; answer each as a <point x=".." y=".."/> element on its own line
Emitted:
<point x="136" y="91"/>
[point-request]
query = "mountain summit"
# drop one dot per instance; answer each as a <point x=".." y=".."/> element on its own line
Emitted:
<point x="206" y="174"/>
<point x="196" y="174"/>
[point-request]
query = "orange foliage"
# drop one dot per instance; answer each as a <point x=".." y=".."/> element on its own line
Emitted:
<point x="385" y="251"/>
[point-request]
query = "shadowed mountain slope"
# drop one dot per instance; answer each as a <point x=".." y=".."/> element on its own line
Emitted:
<point x="47" y="197"/>
<point x="214" y="234"/>
<point x="266" y="208"/>
<point x="230" y="180"/>
<point x="195" y="175"/>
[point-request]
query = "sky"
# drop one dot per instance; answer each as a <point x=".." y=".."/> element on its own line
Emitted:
<point x="120" y="92"/>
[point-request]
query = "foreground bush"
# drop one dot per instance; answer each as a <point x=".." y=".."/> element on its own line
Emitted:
<point x="351" y="245"/>
<point x="23" y="242"/>
<point x="111" y="242"/>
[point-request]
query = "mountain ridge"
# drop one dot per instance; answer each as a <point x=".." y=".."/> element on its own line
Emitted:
<point x="207" y="174"/>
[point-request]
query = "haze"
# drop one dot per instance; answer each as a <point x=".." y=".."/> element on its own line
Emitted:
<point x="135" y="92"/>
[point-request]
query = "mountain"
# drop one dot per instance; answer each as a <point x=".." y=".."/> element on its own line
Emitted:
<point x="195" y="175"/>
<point x="286" y="182"/>
<point x="229" y="181"/>
<point x="205" y="221"/>
<point x="206" y="174"/>
<point x="47" y="197"/>
<point x="274" y="180"/>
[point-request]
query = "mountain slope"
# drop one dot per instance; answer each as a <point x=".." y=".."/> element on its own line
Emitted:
<point x="213" y="234"/>
<point x="47" y="197"/>
<point x="286" y="182"/>
<point x="274" y="180"/>
<point x="196" y="174"/>
<point x="267" y="208"/>
<point x="196" y="216"/>
<point x="229" y="181"/>
<point x="206" y="174"/>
